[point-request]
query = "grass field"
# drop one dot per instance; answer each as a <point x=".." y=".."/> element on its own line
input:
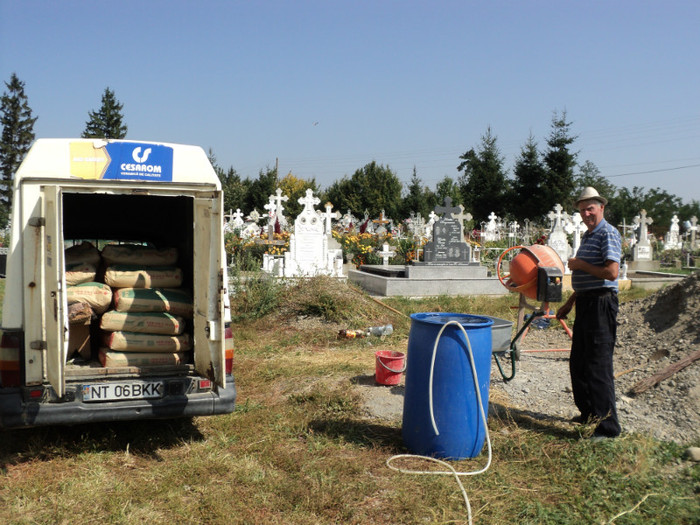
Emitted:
<point x="298" y="451"/>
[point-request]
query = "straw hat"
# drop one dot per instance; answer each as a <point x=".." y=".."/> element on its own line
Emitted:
<point x="590" y="193"/>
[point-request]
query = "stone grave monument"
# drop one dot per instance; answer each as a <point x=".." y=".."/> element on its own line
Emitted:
<point x="558" y="239"/>
<point x="309" y="254"/>
<point x="693" y="229"/>
<point x="673" y="241"/>
<point x="447" y="268"/>
<point x="643" y="251"/>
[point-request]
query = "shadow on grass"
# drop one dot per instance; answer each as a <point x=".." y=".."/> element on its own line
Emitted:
<point x="144" y="438"/>
<point x="363" y="433"/>
<point x="537" y="421"/>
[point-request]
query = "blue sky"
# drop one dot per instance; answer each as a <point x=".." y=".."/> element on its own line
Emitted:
<point x="327" y="86"/>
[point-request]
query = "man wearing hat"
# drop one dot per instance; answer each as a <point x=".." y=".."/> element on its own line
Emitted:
<point x="594" y="279"/>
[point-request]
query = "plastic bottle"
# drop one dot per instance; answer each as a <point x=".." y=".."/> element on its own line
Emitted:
<point x="381" y="330"/>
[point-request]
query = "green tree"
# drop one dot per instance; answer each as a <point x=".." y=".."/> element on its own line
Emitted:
<point x="107" y="122"/>
<point x="448" y="187"/>
<point x="528" y="182"/>
<point x="235" y="189"/>
<point x="260" y="190"/>
<point x="17" y="137"/>
<point x="661" y="206"/>
<point x="483" y="185"/>
<point x="624" y="205"/>
<point x="559" y="162"/>
<point x="295" y="188"/>
<point x="418" y="199"/>
<point x="373" y="188"/>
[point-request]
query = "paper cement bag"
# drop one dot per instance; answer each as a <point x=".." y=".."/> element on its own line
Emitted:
<point x="142" y="322"/>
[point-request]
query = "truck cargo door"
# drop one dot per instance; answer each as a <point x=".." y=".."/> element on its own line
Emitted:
<point x="54" y="284"/>
<point x="209" y="288"/>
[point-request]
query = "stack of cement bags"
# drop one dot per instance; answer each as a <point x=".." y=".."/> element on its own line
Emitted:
<point x="86" y="297"/>
<point x="146" y="325"/>
<point x="134" y="294"/>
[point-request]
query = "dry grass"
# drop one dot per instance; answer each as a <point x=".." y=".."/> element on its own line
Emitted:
<point x="298" y="449"/>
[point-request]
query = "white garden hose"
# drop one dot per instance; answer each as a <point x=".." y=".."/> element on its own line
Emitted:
<point x="451" y="471"/>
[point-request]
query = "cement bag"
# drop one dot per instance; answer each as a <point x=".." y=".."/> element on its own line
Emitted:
<point x="84" y="252"/>
<point x="111" y="358"/>
<point x="139" y="255"/>
<point x="142" y="322"/>
<point x="135" y="342"/>
<point x="79" y="273"/>
<point x="79" y="313"/>
<point x="175" y="302"/>
<point x="79" y="340"/>
<point x="128" y="276"/>
<point x="97" y="295"/>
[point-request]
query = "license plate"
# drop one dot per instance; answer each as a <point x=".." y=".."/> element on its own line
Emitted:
<point x="121" y="391"/>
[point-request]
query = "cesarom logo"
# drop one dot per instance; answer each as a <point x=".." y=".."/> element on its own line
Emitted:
<point x="140" y="158"/>
<point x="141" y="167"/>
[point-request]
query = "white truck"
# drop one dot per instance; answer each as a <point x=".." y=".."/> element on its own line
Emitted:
<point x="148" y="197"/>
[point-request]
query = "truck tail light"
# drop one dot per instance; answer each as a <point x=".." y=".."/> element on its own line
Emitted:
<point x="9" y="359"/>
<point x="228" y="347"/>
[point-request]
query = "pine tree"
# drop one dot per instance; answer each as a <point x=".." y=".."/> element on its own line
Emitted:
<point x="418" y="198"/>
<point x="17" y="137"/>
<point x="107" y="122"/>
<point x="484" y="181"/>
<point x="559" y="161"/>
<point x="529" y="179"/>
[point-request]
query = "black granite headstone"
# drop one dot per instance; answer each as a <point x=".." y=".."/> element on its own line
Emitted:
<point x="447" y="246"/>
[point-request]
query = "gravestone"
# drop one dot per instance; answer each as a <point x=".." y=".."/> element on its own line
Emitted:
<point x="577" y="229"/>
<point x="491" y="234"/>
<point x="381" y="224"/>
<point x="309" y="252"/>
<point x="348" y="222"/>
<point x="672" y="240"/>
<point x="558" y="239"/>
<point x="234" y="221"/>
<point x="386" y="253"/>
<point x="693" y="229"/>
<point x="447" y="245"/>
<point x="642" y="250"/>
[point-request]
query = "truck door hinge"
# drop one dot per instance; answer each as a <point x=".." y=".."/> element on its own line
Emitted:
<point x="38" y="345"/>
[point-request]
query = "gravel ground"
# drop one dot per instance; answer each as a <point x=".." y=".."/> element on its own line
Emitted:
<point x="653" y="334"/>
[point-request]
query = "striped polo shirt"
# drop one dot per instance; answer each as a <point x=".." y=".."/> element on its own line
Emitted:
<point x="597" y="246"/>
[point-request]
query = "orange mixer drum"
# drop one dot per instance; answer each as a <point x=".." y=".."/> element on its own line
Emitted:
<point x="523" y="268"/>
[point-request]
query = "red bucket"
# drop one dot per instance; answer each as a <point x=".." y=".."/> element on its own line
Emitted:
<point x="390" y="365"/>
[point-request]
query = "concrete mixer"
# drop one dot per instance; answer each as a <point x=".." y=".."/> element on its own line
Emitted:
<point x="536" y="272"/>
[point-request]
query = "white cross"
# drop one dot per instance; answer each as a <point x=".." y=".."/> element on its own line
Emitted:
<point x="309" y="201"/>
<point x="270" y="207"/>
<point x="237" y="218"/>
<point x="578" y="229"/>
<point x="386" y="254"/>
<point x="278" y="201"/>
<point x="329" y="215"/>
<point x="643" y="221"/>
<point x="693" y="229"/>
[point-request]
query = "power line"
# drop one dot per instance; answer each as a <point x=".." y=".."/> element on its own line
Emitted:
<point x="653" y="171"/>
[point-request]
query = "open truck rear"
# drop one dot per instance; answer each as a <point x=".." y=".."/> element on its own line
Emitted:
<point x="105" y="196"/>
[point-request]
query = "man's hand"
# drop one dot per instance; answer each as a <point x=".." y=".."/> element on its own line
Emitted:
<point x="564" y="309"/>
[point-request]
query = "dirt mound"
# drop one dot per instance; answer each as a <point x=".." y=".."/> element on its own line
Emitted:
<point x="675" y="308"/>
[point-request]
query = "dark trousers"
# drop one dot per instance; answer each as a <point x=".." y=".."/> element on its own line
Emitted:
<point x="591" y="361"/>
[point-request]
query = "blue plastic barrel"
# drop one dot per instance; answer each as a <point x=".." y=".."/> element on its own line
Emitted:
<point x="461" y="431"/>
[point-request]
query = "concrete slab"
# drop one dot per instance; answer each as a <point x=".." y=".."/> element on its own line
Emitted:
<point x="397" y="286"/>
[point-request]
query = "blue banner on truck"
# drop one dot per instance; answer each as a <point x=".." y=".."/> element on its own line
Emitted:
<point x="122" y="161"/>
<point x="139" y="161"/>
